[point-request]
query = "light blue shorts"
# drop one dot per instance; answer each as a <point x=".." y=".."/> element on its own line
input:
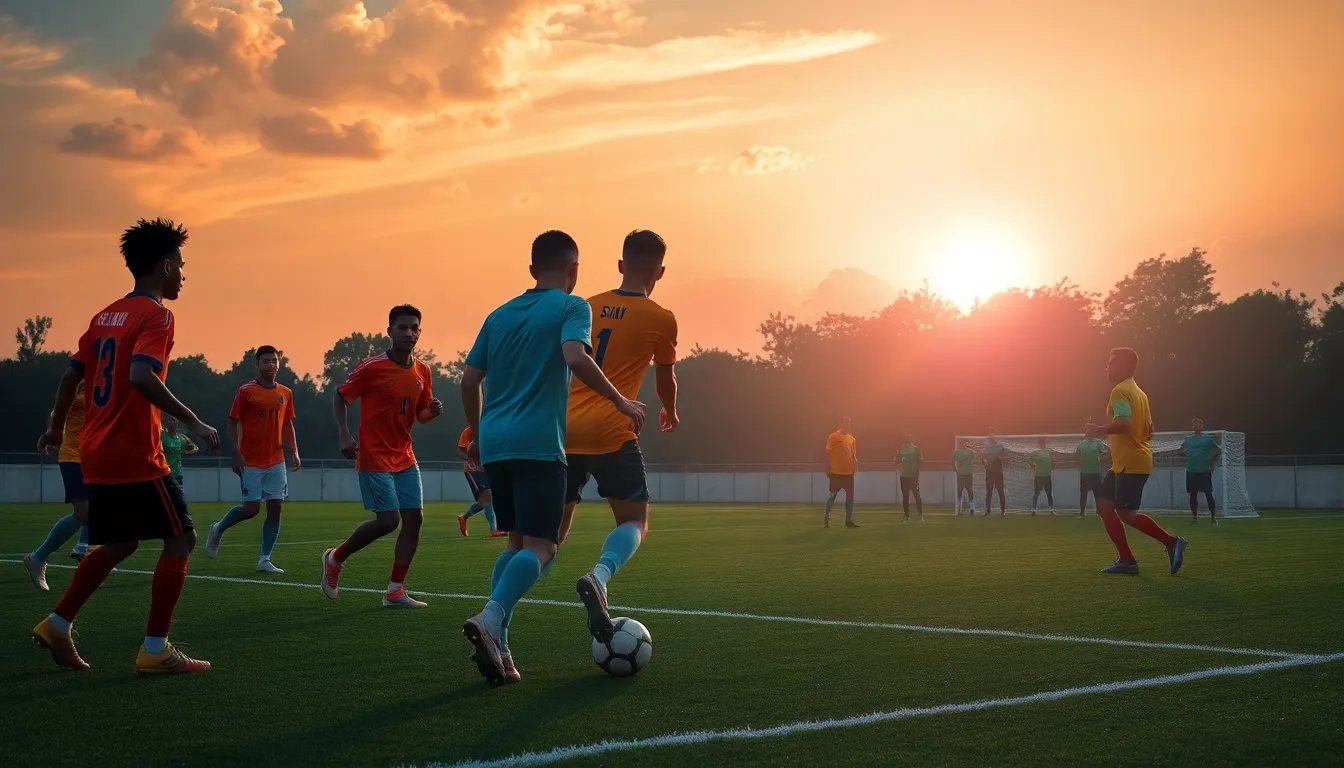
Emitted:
<point x="391" y="491"/>
<point x="265" y="483"/>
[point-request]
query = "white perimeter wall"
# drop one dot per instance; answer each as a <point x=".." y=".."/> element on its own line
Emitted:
<point x="1269" y="487"/>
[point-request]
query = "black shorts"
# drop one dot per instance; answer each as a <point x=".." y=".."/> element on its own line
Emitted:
<point x="840" y="483"/>
<point x="154" y="509"/>
<point x="994" y="478"/>
<point x="72" y="477"/>
<point x="478" y="482"/>
<point x="1195" y="482"/>
<point x="964" y="484"/>
<point x="529" y="496"/>
<point x="619" y="474"/>
<point x="910" y="484"/>
<point x="1125" y="489"/>
<point x="1046" y="484"/>
<point x="1089" y="482"/>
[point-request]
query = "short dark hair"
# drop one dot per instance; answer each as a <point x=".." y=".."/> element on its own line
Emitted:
<point x="266" y="349"/>
<point x="643" y="245"/>
<point x="400" y="310"/>
<point x="553" y="251"/>
<point x="147" y="243"/>
<point x="1128" y="355"/>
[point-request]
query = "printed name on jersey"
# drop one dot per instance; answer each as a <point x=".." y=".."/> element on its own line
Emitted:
<point x="615" y="313"/>
<point x="112" y="319"/>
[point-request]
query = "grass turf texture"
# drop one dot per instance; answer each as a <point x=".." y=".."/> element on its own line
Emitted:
<point x="299" y="679"/>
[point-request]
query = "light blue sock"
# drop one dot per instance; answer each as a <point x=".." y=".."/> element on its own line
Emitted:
<point x="83" y="543"/>
<point x="490" y="517"/>
<point x="504" y="634"/>
<point x="617" y="551"/>
<point x="231" y="518"/>
<point x="501" y="563"/>
<point x="61" y="532"/>
<point x="472" y="510"/>
<point x="270" y="532"/>
<point x="830" y="502"/>
<point x="849" y="509"/>
<point x="521" y="572"/>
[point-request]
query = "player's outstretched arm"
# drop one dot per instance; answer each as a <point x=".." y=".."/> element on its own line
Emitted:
<point x="586" y="369"/>
<point x="292" y="438"/>
<point x="148" y="384"/>
<point x="666" y="378"/>
<point x="339" y="409"/>
<point x="65" y="397"/>
<point x="235" y="452"/>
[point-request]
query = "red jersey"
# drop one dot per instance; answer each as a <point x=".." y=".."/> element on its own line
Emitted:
<point x="261" y="413"/>
<point x="390" y="398"/>
<point x="120" y="441"/>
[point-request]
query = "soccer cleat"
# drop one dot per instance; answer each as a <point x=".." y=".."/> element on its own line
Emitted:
<point x="266" y="566"/>
<point x="594" y="599"/>
<point x="78" y="555"/>
<point x="331" y="575"/>
<point x="60" y="644"/>
<point x="826" y="524"/>
<point x="462" y="524"/>
<point x="511" y="674"/>
<point x="498" y="534"/>
<point x="1213" y="520"/>
<point x="1176" y="553"/>
<point x="212" y="541"/>
<point x="37" y="571"/>
<point x="1122" y="568"/>
<point x="400" y="599"/>
<point x="170" y="662"/>
<point x="851" y="524"/>
<point x="489" y="661"/>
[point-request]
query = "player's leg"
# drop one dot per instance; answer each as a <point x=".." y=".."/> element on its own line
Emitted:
<point x="849" y="501"/>
<point x="622" y="481"/>
<point x="168" y="520"/>
<point x="1036" y="489"/>
<point x="1083" y="483"/>
<point x="833" y="488"/>
<point x="919" y="499"/>
<point x="1003" y="504"/>
<point x="576" y="477"/>
<point x="1050" y="494"/>
<point x="905" y="497"/>
<point x="77" y="496"/>
<point x="410" y="499"/>
<point x="1208" y="497"/>
<point x="487" y="502"/>
<point x="379" y="493"/>
<point x="253" y="481"/>
<point x="1115" y="528"/>
<point x="1192" y="490"/>
<point x="1129" y="497"/>
<point x="275" y="489"/>
<point x="514" y="544"/>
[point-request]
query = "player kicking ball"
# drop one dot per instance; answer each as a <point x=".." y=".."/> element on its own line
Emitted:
<point x="122" y="360"/>
<point x="394" y="390"/>
<point x="483" y="499"/>
<point x="260" y="423"/>
<point x="1130" y="432"/>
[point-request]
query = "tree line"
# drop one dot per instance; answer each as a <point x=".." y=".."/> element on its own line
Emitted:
<point x="1268" y="363"/>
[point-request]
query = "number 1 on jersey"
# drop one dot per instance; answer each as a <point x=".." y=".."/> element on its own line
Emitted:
<point x="603" y="337"/>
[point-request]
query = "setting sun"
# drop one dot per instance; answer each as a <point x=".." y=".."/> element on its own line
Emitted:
<point x="976" y="266"/>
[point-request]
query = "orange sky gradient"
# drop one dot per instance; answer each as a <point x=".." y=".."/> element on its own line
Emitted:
<point x="333" y="159"/>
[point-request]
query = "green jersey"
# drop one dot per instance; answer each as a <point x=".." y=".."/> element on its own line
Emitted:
<point x="964" y="460"/>
<point x="1041" y="460"/>
<point x="173" y="446"/>
<point x="1199" y="451"/>
<point x="910" y="456"/>
<point x="994" y="457"/>
<point x="1089" y="456"/>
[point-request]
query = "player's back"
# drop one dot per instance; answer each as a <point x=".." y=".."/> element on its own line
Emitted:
<point x="120" y="439"/>
<point x="1131" y="450"/>
<point x="630" y="330"/>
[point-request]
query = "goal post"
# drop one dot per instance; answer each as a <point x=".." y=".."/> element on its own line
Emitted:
<point x="1163" y="494"/>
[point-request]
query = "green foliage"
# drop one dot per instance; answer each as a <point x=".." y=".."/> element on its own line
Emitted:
<point x="31" y="337"/>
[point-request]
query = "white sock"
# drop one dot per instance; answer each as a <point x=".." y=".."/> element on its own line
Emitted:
<point x="393" y="586"/>
<point x="60" y="624"/>
<point x="156" y="644"/>
<point x="602" y="575"/>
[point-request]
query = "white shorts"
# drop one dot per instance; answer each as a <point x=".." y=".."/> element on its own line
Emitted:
<point x="261" y="484"/>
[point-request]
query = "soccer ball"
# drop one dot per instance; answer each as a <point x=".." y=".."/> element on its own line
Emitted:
<point x="629" y="650"/>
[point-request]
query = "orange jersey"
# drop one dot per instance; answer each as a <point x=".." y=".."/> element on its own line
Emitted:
<point x="630" y="330"/>
<point x="463" y="442"/>
<point x="261" y="413"/>
<point x="120" y="440"/>
<point x="74" y="425"/>
<point x="390" y="398"/>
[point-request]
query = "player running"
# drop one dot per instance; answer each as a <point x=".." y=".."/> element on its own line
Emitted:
<point x="527" y="349"/>
<point x="395" y="391"/>
<point x="1043" y="468"/>
<point x="992" y="458"/>
<point x="1089" y="453"/>
<point x="1130" y="432"/>
<point x="842" y="458"/>
<point x="76" y="495"/>
<point x="261" y="421"/>
<point x="123" y="359"/>
<point x="631" y="331"/>
<point x="963" y="461"/>
<point x="910" y="459"/>
<point x="482" y="498"/>
<point x="1201" y="453"/>
<point x="176" y="444"/>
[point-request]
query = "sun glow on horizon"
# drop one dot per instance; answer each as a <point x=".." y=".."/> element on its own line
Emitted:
<point x="975" y="266"/>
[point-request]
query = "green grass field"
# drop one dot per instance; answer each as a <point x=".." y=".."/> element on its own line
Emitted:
<point x="300" y="680"/>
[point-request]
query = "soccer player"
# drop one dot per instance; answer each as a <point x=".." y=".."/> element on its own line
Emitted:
<point x="483" y="499"/>
<point x="175" y="445"/>
<point x="122" y="359"/>
<point x="1130" y="432"/>
<point x="1089" y="453"/>
<point x="395" y="391"/>
<point x="527" y="349"/>
<point x="992" y="458"/>
<point x="1043" y="466"/>
<point x="963" y="460"/>
<point x="1201" y="455"/>
<point x="76" y="495"/>
<point x="910" y="459"/>
<point x="261" y="421"/>
<point x="842" y="457"/>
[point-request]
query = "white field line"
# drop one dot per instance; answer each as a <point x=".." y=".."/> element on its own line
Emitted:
<point x="563" y="754"/>
<point x="636" y="610"/>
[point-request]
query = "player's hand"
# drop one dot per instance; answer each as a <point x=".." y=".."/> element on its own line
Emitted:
<point x="208" y="434"/>
<point x="436" y="407"/>
<point x="298" y="463"/>
<point x="635" y="411"/>
<point x="1091" y="430"/>
<point x="668" y="422"/>
<point x="238" y="464"/>
<point x="473" y="452"/>
<point x="49" y="441"/>
<point x="349" y="447"/>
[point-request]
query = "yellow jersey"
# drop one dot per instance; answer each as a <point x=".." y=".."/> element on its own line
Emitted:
<point x="1131" y="451"/>
<point x="74" y="425"/>
<point x="843" y="451"/>
<point x="630" y="330"/>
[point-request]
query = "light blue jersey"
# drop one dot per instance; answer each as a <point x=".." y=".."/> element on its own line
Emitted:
<point x="1199" y="451"/>
<point x="526" y="378"/>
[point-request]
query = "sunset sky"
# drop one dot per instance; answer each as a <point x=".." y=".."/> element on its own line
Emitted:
<point x="333" y="158"/>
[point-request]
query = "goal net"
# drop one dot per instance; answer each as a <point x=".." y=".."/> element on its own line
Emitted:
<point x="1164" y="493"/>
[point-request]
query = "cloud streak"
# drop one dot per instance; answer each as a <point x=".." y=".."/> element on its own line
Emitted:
<point x="761" y="159"/>
<point x="312" y="134"/>
<point x="132" y="142"/>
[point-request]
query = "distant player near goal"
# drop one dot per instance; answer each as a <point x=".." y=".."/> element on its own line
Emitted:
<point x="1043" y="466"/>
<point x="1089" y="454"/>
<point x="963" y="459"/>
<point x="842" y="456"/>
<point x="1130" y="432"/>
<point x="1201" y="453"/>
<point x="992" y="458"/>
<point x="910" y="459"/>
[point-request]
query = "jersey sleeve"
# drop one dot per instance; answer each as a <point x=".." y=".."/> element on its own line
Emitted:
<point x="236" y="412"/>
<point x="665" y="353"/>
<point x="830" y="442"/>
<point x="83" y="354"/>
<point x="155" y="339"/>
<point x="1121" y="406"/>
<point x="479" y="356"/>
<point x="578" y="323"/>
<point x="289" y="405"/>
<point x="357" y="384"/>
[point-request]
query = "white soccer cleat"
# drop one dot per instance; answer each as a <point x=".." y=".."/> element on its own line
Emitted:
<point x="400" y="599"/>
<point x="37" y="571"/>
<point x="212" y="541"/>
<point x="266" y="566"/>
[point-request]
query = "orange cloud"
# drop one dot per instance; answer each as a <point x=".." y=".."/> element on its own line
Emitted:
<point x="313" y="134"/>
<point x="21" y="50"/>
<point x="120" y="140"/>
<point x="760" y="159"/>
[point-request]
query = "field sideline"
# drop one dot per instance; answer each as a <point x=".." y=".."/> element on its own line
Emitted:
<point x="954" y="642"/>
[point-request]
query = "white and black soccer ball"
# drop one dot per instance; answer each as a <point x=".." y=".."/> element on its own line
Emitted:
<point x="629" y="651"/>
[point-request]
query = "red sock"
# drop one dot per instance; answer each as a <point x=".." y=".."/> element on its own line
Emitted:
<point x="399" y="572"/>
<point x="1149" y="526"/>
<point x="93" y="570"/>
<point x="340" y="552"/>
<point x="1116" y="530"/>
<point x="170" y="573"/>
